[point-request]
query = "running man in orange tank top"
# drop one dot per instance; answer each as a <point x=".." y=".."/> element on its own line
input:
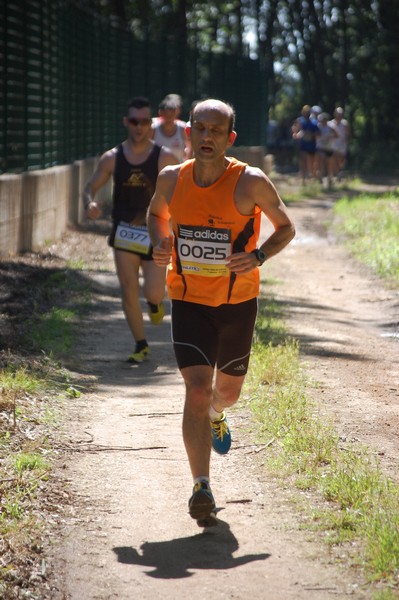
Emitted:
<point x="204" y="223"/>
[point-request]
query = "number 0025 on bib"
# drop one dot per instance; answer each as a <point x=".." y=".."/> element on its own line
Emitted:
<point x="203" y="250"/>
<point x="133" y="238"/>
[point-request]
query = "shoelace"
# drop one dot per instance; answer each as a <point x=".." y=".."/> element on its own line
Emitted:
<point x="220" y="428"/>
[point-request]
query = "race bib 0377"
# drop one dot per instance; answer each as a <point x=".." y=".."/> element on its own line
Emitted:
<point x="134" y="238"/>
<point x="203" y="250"/>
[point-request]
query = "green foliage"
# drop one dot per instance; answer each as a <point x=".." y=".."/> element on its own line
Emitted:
<point x="370" y="224"/>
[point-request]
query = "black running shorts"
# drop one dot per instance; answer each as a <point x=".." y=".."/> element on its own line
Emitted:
<point x="214" y="335"/>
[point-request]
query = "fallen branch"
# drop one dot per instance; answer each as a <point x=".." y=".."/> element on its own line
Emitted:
<point x="102" y="448"/>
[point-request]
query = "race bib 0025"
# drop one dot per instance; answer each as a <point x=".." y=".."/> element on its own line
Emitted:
<point x="203" y="250"/>
<point x="133" y="238"/>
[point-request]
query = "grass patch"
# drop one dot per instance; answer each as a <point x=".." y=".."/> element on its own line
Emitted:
<point x="357" y="506"/>
<point x="53" y="331"/>
<point x="311" y="189"/>
<point x="31" y="399"/>
<point x="58" y="304"/>
<point x="29" y="462"/>
<point x="269" y="325"/>
<point x="17" y="380"/>
<point x="77" y="264"/>
<point x="315" y="189"/>
<point x="33" y="387"/>
<point x="26" y="394"/>
<point x="370" y="226"/>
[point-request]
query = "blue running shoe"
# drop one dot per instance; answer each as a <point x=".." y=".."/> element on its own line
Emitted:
<point x="221" y="437"/>
<point x="201" y="505"/>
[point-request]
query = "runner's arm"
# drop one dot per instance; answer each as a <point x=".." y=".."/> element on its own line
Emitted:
<point x="256" y="189"/>
<point x="99" y="178"/>
<point x="158" y="216"/>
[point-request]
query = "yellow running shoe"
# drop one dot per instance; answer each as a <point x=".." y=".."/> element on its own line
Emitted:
<point x="156" y="312"/>
<point x="138" y="356"/>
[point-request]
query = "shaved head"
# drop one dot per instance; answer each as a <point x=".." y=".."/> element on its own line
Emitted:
<point x="216" y="105"/>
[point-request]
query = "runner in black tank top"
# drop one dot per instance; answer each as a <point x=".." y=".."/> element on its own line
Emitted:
<point x="134" y="186"/>
<point x="133" y="165"/>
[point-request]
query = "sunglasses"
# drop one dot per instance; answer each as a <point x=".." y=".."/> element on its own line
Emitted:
<point x="136" y="122"/>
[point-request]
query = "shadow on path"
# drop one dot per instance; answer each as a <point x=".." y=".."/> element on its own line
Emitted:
<point x="212" y="549"/>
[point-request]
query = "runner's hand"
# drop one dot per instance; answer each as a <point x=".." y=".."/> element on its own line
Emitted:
<point x="162" y="252"/>
<point x="93" y="211"/>
<point x="242" y="262"/>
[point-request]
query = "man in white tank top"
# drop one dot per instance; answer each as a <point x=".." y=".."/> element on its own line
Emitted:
<point x="169" y="131"/>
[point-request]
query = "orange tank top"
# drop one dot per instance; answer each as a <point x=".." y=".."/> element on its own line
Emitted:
<point x="207" y="228"/>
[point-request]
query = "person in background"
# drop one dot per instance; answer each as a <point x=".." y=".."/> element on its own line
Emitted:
<point x="340" y="144"/>
<point x="179" y="103"/>
<point x="315" y="111"/>
<point x="134" y="165"/>
<point x="272" y="132"/>
<point x="213" y="204"/>
<point x="168" y="130"/>
<point x="304" y="131"/>
<point x="324" y="148"/>
<point x="189" y="150"/>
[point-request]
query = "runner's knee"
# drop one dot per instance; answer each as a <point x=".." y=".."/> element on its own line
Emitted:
<point x="227" y="394"/>
<point x="198" y="395"/>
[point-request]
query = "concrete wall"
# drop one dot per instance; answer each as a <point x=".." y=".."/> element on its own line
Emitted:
<point x="37" y="207"/>
<point x="45" y="199"/>
<point x="11" y="221"/>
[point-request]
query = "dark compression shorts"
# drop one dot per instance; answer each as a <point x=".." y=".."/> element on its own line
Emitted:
<point x="214" y="335"/>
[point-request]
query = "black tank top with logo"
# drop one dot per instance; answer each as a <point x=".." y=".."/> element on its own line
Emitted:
<point x="134" y="186"/>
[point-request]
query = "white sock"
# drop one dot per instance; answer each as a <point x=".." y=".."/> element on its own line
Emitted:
<point x="201" y="479"/>
<point x="213" y="414"/>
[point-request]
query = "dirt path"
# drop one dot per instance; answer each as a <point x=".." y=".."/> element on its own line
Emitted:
<point x="127" y="534"/>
